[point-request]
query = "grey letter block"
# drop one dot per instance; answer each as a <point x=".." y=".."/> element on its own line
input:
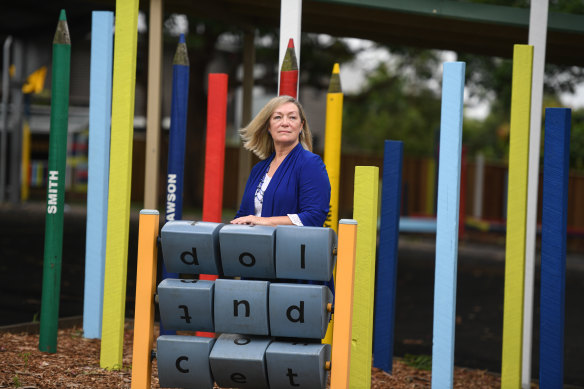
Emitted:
<point x="183" y="362"/>
<point x="191" y="247"/>
<point x="305" y="253"/>
<point x="248" y="251"/>
<point x="298" y="365"/>
<point x="186" y="304"/>
<point x="299" y="310"/>
<point x="238" y="361"/>
<point x="241" y="307"/>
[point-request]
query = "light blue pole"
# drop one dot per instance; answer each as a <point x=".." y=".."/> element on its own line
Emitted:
<point x="447" y="225"/>
<point x="100" y="106"/>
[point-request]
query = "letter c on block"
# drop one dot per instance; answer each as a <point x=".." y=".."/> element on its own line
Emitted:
<point x="178" y="361"/>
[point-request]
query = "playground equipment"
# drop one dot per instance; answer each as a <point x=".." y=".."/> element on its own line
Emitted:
<point x="246" y="312"/>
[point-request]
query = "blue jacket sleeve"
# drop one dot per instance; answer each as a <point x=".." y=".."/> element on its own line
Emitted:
<point x="314" y="192"/>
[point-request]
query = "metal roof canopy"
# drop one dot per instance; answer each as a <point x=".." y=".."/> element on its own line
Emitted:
<point x="439" y="24"/>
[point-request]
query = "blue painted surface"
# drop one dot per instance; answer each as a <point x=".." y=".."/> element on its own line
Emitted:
<point x="556" y="165"/>
<point x="100" y="103"/>
<point x="386" y="273"/>
<point x="447" y="224"/>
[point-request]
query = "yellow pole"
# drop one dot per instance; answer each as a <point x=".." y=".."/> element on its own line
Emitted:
<point x="516" y="217"/>
<point x="145" y="289"/>
<point x="332" y="160"/>
<point x="341" y="352"/>
<point x="365" y="212"/>
<point x="120" y="177"/>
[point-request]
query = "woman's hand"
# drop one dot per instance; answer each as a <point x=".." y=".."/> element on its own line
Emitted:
<point x="249" y="219"/>
<point x="253" y="220"/>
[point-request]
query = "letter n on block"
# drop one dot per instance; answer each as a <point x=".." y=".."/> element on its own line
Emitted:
<point x="305" y="253"/>
<point x="238" y="361"/>
<point x="191" y="247"/>
<point x="299" y="310"/>
<point x="186" y="305"/>
<point x="248" y="251"/>
<point x="183" y="361"/>
<point x="241" y="307"/>
<point x="297" y="364"/>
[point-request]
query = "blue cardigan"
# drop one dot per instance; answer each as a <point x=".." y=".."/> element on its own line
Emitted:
<point x="300" y="185"/>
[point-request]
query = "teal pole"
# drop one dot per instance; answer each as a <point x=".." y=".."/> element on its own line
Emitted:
<point x="55" y="187"/>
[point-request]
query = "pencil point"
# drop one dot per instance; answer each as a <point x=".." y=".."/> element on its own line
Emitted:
<point x="181" y="55"/>
<point x="62" y="15"/>
<point x="291" y="43"/>
<point x="335" y="82"/>
<point x="181" y="38"/>
<point x="289" y="63"/>
<point x="62" y="33"/>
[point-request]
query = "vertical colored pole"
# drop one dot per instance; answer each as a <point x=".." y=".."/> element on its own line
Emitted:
<point x="215" y="151"/>
<point x="365" y="212"/>
<point x="290" y="28"/>
<point x="5" y="93"/>
<point x="447" y="224"/>
<point x="332" y="144"/>
<point x="55" y="187"/>
<point x="341" y="352"/>
<point x="215" y="148"/>
<point x="100" y="108"/>
<point x="386" y="272"/>
<point x="154" y="107"/>
<point x="556" y="168"/>
<point x="120" y="177"/>
<point x="145" y="290"/>
<point x="176" y="145"/>
<point x="289" y="73"/>
<point x="332" y="161"/>
<point x="516" y="217"/>
<point x="538" y="21"/>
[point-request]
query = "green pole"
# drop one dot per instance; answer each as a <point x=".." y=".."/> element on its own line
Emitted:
<point x="55" y="187"/>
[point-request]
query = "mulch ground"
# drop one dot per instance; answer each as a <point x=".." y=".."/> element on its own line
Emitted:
<point x="76" y="365"/>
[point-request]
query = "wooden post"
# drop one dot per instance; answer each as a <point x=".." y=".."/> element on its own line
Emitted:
<point x="118" y="220"/>
<point x="145" y="290"/>
<point x="447" y="224"/>
<point x="516" y="217"/>
<point x="341" y="352"/>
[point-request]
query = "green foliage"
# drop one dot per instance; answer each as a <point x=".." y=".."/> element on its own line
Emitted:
<point x="392" y="106"/>
<point x="422" y="362"/>
<point x="577" y="141"/>
<point x="16" y="381"/>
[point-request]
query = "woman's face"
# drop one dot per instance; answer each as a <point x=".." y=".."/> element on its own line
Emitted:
<point x="285" y="124"/>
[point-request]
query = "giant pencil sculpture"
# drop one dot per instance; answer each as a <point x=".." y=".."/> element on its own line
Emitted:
<point x="332" y="159"/>
<point x="516" y="217"/>
<point x="56" y="187"/>
<point x="176" y="146"/>
<point x="118" y="215"/>
<point x="289" y="73"/>
<point x="215" y="151"/>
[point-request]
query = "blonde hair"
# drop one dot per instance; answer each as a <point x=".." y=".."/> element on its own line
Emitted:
<point x="256" y="137"/>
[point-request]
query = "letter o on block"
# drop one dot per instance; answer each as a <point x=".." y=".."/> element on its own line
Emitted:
<point x="238" y="361"/>
<point x="186" y="304"/>
<point x="183" y="361"/>
<point x="297" y="364"/>
<point x="305" y="253"/>
<point x="248" y="251"/>
<point x="191" y="247"/>
<point x="299" y="310"/>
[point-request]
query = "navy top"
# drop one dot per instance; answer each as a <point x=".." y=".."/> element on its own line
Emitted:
<point x="300" y="186"/>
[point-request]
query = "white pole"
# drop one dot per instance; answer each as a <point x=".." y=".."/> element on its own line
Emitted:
<point x="538" y="21"/>
<point x="290" y="27"/>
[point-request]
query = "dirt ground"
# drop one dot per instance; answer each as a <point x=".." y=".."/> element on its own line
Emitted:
<point x="479" y="294"/>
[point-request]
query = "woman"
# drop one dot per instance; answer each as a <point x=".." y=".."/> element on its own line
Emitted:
<point x="290" y="185"/>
